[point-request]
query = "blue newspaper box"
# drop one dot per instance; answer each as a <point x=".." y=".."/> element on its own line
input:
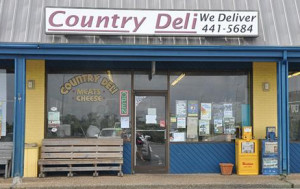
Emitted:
<point x="269" y="153"/>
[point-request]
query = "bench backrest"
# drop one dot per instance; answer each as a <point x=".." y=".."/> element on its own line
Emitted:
<point x="6" y="149"/>
<point x="82" y="148"/>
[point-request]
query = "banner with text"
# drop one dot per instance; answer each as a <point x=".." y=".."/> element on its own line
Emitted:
<point x="151" y="22"/>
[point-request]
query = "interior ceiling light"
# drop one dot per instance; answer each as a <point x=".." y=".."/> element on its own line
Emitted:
<point x="178" y="79"/>
<point x="109" y="76"/>
<point x="294" y="74"/>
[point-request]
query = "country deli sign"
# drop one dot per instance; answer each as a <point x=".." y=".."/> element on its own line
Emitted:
<point x="151" y="22"/>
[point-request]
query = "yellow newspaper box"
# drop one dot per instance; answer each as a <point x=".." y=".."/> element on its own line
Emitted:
<point x="246" y="154"/>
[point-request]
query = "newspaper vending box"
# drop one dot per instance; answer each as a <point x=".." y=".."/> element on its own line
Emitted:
<point x="246" y="153"/>
<point x="269" y="154"/>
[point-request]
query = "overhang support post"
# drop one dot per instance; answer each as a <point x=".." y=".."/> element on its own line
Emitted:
<point x="19" y="118"/>
<point x="283" y="114"/>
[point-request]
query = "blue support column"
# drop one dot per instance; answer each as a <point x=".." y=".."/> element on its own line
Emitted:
<point x="283" y="114"/>
<point x="19" y="117"/>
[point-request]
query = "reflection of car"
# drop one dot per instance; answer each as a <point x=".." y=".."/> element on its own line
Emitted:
<point x="111" y="132"/>
<point x="146" y="149"/>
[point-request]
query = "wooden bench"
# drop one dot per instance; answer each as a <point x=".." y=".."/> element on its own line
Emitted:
<point x="6" y="149"/>
<point x="70" y="155"/>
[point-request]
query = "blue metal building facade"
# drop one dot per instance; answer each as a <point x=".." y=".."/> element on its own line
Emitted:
<point x="21" y="52"/>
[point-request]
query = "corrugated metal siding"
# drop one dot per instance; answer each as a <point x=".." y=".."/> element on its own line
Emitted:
<point x="23" y="21"/>
<point x="126" y="168"/>
<point x="295" y="157"/>
<point x="200" y="157"/>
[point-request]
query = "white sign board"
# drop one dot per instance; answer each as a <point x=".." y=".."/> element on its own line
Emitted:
<point x="151" y="22"/>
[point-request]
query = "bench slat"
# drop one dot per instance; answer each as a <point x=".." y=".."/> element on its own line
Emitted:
<point x="80" y="155"/>
<point x="105" y="168"/>
<point x="6" y="145"/>
<point x="83" y="142"/>
<point x="79" y="161"/>
<point x="5" y="153"/>
<point x="82" y="149"/>
<point x="4" y="161"/>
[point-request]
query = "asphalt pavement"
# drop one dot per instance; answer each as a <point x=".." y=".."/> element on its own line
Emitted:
<point x="158" y="181"/>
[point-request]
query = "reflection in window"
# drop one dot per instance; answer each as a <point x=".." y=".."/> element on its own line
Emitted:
<point x="294" y="103"/>
<point x="150" y="82"/>
<point x="208" y="107"/>
<point x="6" y="104"/>
<point x="89" y="105"/>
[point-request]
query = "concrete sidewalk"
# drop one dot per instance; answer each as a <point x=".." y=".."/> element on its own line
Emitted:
<point x="158" y="181"/>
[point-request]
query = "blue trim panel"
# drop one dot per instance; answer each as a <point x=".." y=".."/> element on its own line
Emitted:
<point x="200" y="157"/>
<point x="295" y="157"/>
<point x="126" y="168"/>
<point x="19" y="117"/>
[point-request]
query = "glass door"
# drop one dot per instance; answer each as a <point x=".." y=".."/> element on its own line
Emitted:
<point x="150" y="133"/>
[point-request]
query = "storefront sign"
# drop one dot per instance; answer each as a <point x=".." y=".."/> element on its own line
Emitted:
<point x="151" y="22"/>
<point x="77" y="80"/>
<point x="123" y="102"/>
<point x="88" y="94"/>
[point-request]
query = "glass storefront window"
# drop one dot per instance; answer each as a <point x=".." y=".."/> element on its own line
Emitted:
<point x="208" y="107"/>
<point x="6" y="103"/>
<point x="294" y="103"/>
<point x="146" y="82"/>
<point x="89" y="105"/>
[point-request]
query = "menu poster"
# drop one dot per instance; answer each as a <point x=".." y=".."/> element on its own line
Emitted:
<point x="218" y="111"/>
<point x="178" y="137"/>
<point x="192" y="127"/>
<point x="193" y="108"/>
<point x="229" y="125"/>
<point x="151" y="119"/>
<point x="206" y="111"/>
<point x="227" y="110"/>
<point x="125" y="122"/>
<point x="218" y="126"/>
<point x="53" y="119"/>
<point x="181" y="108"/>
<point x="181" y="122"/>
<point x="151" y="111"/>
<point x="204" y="127"/>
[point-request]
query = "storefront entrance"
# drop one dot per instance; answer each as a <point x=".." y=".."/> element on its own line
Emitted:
<point x="150" y="132"/>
